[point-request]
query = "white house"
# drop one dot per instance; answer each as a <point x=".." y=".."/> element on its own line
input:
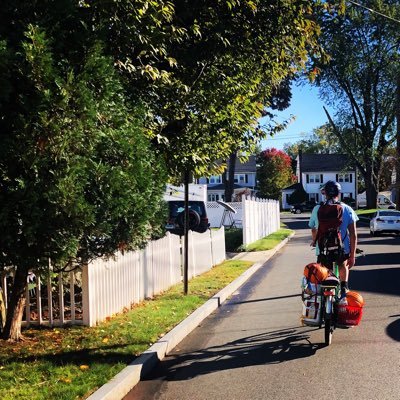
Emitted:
<point x="244" y="178"/>
<point x="313" y="170"/>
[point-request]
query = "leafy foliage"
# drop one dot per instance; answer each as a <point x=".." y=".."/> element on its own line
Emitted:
<point x="321" y="141"/>
<point x="274" y="172"/>
<point x="78" y="176"/>
<point x="208" y="69"/>
<point x="85" y="181"/>
<point x="298" y="196"/>
<point x="360" y="82"/>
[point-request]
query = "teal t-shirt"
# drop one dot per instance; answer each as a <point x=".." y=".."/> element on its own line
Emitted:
<point x="349" y="217"/>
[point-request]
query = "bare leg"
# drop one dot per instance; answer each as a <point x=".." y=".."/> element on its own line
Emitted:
<point x="344" y="272"/>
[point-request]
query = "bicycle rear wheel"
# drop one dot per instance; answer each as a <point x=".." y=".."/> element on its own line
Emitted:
<point x="328" y="331"/>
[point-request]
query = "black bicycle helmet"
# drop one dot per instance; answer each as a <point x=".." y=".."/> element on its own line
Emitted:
<point x="332" y="189"/>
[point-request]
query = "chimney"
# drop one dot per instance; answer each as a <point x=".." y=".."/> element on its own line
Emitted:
<point x="298" y="167"/>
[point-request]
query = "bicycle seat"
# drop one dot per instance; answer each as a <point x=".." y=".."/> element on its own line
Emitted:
<point x="331" y="281"/>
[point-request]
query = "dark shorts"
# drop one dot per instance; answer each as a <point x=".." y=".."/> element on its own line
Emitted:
<point x="327" y="260"/>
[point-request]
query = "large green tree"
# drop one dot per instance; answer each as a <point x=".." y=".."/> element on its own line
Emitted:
<point x="202" y="71"/>
<point x="208" y="68"/>
<point x="321" y="140"/>
<point x="78" y="178"/>
<point x="360" y="82"/>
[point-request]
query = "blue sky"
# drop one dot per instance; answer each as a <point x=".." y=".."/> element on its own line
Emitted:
<point x="307" y="108"/>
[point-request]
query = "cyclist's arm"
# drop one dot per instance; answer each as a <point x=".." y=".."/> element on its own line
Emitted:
<point x="313" y="224"/>
<point x="353" y="243"/>
<point x="314" y="236"/>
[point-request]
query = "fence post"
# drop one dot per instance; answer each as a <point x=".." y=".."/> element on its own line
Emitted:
<point x="244" y="220"/>
<point x="193" y="253"/>
<point x="87" y="316"/>
<point x="171" y="260"/>
<point x="278" y="216"/>
<point x="39" y="299"/>
<point x="61" y="297"/>
<point x="27" y="306"/>
<point x="72" y="295"/>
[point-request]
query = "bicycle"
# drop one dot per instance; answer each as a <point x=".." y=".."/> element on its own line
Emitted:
<point x="329" y="293"/>
<point x="330" y="289"/>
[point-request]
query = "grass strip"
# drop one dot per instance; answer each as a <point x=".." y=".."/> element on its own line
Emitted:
<point x="270" y="241"/>
<point x="72" y="362"/>
<point x="366" y="214"/>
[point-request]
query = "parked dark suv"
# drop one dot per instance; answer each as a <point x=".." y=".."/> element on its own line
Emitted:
<point x="299" y="208"/>
<point x="198" y="220"/>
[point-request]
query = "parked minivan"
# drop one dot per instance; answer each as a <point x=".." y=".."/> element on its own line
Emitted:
<point x="383" y="200"/>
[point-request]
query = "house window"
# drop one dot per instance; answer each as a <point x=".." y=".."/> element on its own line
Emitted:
<point x="344" y="178"/>
<point x="314" y="178"/>
<point x="215" y="179"/>
<point x="213" y="197"/>
<point x="313" y="197"/>
<point x="240" y="179"/>
<point x="346" y="195"/>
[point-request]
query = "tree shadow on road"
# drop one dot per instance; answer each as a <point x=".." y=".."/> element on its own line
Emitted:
<point x="266" y="348"/>
<point x="299" y="224"/>
<point x="376" y="259"/>
<point x="383" y="240"/>
<point x="379" y="280"/>
<point x="393" y="329"/>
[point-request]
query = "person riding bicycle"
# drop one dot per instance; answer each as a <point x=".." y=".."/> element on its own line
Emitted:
<point x="346" y="231"/>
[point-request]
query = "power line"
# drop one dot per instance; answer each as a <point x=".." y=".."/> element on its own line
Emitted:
<point x="288" y="137"/>
<point x="373" y="11"/>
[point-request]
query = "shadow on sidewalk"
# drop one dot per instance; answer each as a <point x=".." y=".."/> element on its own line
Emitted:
<point x="267" y="348"/>
<point x="233" y="303"/>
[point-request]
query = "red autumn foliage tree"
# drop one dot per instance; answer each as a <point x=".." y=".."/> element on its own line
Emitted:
<point x="274" y="172"/>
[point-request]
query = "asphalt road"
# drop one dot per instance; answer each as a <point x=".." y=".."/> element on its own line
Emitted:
<point x="254" y="347"/>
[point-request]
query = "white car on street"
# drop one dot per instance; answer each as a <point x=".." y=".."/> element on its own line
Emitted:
<point x="385" y="221"/>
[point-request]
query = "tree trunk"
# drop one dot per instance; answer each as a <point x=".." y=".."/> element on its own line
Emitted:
<point x="229" y="180"/>
<point x="15" y="309"/>
<point x="371" y="191"/>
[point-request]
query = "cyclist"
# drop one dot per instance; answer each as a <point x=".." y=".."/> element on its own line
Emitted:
<point x="347" y="229"/>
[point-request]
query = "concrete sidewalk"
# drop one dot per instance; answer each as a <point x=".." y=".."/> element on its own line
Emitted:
<point x="123" y="382"/>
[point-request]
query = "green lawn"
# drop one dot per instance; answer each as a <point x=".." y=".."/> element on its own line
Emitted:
<point x="366" y="213"/>
<point x="71" y="363"/>
<point x="234" y="240"/>
<point x="270" y="241"/>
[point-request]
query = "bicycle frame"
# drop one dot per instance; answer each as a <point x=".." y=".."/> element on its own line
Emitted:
<point x="330" y="297"/>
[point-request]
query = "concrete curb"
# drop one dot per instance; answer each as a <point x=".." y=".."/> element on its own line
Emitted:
<point x="124" y="381"/>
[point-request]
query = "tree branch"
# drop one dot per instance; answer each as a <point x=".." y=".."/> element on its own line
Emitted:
<point x="343" y="142"/>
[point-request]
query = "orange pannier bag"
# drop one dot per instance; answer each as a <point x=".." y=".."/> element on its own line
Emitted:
<point x="316" y="273"/>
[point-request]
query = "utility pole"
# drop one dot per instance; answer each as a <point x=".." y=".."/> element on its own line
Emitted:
<point x="397" y="184"/>
<point x="185" y="232"/>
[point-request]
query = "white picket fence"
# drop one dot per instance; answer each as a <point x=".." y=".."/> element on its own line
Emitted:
<point x="107" y="287"/>
<point x="261" y="217"/>
<point x="257" y="217"/>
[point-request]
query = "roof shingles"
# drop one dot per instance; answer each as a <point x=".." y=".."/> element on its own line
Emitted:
<point x="325" y="163"/>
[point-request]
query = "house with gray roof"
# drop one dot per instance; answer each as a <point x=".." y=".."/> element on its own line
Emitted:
<point x="244" y="178"/>
<point x="313" y="170"/>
